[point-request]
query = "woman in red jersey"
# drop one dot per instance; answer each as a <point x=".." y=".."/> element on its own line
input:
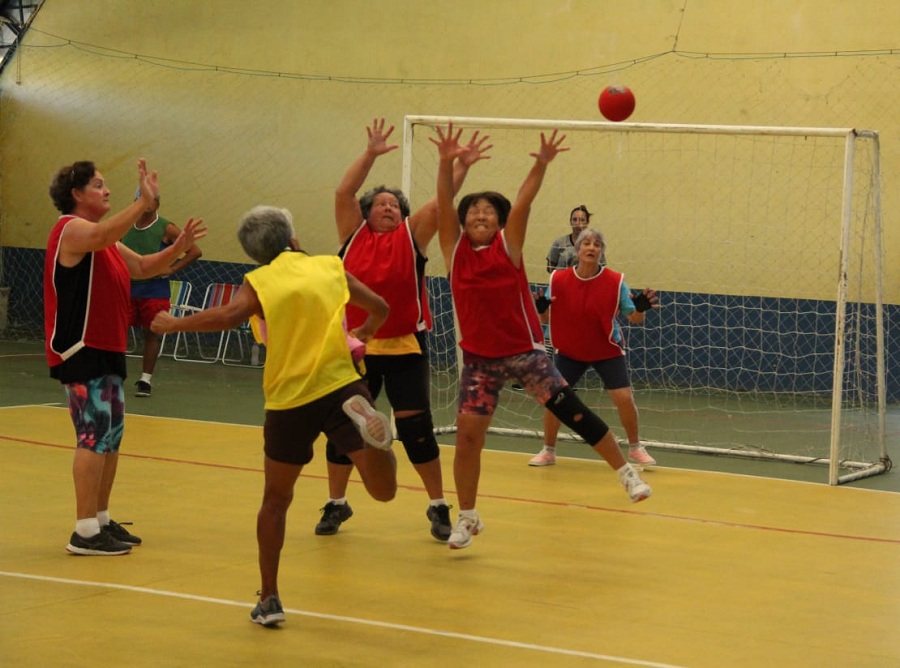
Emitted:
<point x="501" y="336"/>
<point x="584" y="303"/>
<point x="385" y="246"/>
<point x="87" y="283"/>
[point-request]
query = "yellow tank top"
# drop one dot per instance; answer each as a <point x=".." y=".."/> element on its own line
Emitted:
<point x="303" y="299"/>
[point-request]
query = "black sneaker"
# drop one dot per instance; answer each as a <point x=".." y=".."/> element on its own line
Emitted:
<point x="332" y="518"/>
<point x="101" y="545"/>
<point x="142" y="389"/>
<point x="268" y="612"/>
<point x="120" y="533"/>
<point x="440" y="521"/>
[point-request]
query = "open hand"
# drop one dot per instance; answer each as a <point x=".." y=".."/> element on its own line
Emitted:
<point x="448" y="143"/>
<point x="475" y="150"/>
<point x="378" y="138"/>
<point x="193" y="230"/>
<point x="550" y="147"/>
<point x="149" y="184"/>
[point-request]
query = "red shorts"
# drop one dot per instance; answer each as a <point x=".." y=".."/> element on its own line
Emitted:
<point x="143" y="310"/>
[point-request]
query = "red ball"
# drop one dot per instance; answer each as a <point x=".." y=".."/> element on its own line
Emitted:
<point x="616" y="103"/>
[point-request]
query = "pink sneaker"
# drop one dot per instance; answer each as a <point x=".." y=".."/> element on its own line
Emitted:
<point x="546" y="457"/>
<point x="639" y="455"/>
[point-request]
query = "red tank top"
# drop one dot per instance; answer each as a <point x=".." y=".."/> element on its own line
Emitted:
<point x="86" y="305"/>
<point x="494" y="306"/>
<point x="582" y="314"/>
<point x="389" y="264"/>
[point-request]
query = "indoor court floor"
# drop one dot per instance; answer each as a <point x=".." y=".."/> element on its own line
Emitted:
<point x="716" y="569"/>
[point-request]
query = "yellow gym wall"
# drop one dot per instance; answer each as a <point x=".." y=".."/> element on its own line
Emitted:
<point x="238" y="104"/>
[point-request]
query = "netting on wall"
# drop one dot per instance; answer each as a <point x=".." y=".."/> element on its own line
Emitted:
<point x="764" y="245"/>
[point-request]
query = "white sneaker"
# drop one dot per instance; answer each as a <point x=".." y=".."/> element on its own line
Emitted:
<point x="546" y="457"/>
<point x="637" y="454"/>
<point x="466" y="528"/>
<point x="374" y="427"/>
<point x="637" y="489"/>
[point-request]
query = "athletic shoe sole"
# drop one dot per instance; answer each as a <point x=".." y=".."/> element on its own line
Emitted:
<point x="373" y="426"/>
<point x="268" y="620"/>
<point x="100" y="546"/>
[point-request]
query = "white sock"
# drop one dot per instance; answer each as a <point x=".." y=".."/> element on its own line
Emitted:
<point x="471" y="514"/>
<point x="438" y="502"/>
<point x="103" y="517"/>
<point x="339" y="502"/>
<point x="87" y="527"/>
<point x="551" y="448"/>
<point x="145" y="377"/>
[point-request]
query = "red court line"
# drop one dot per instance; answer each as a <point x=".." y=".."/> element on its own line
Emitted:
<point x="500" y="497"/>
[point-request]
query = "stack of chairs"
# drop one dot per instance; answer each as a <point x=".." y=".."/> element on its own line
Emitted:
<point x="217" y="294"/>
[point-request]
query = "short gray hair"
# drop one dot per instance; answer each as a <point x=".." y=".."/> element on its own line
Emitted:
<point x="266" y="231"/>
<point x="590" y="233"/>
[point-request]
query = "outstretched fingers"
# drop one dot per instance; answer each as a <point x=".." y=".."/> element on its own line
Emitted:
<point x="378" y="137"/>
<point x="476" y="150"/>
<point x="448" y="143"/>
<point x="149" y="183"/>
<point x="551" y="147"/>
<point x="194" y="229"/>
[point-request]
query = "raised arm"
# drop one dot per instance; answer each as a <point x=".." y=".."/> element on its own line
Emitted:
<point x="148" y="266"/>
<point x="517" y="222"/>
<point x="424" y="222"/>
<point x="363" y="297"/>
<point x="84" y="236"/>
<point x="347" y="213"/>
<point x="448" y="222"/>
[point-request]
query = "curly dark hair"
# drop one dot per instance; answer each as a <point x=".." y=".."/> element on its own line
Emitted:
<point x="75" y="176"/>
<point x="498" y="201"/>
<point x="365" y="202"/>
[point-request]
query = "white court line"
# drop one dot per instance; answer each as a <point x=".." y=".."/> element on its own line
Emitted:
<point x="351" y="620"/>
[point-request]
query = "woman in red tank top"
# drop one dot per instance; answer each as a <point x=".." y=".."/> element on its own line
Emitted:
<point x="501" y="337"/>
<point x="86" y="302"/>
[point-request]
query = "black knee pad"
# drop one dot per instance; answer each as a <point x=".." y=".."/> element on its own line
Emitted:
<point x="416" y="432"/>
<point x="571" y="411"/>
<point x="332" y="456"/>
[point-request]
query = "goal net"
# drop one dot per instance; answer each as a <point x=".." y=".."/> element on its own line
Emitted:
<point x="764" y="244"/>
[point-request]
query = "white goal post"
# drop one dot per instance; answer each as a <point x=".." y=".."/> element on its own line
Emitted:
<point x="765" y="245"/>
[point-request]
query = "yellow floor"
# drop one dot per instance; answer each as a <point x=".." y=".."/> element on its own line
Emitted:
<point x="714" y="570"/>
